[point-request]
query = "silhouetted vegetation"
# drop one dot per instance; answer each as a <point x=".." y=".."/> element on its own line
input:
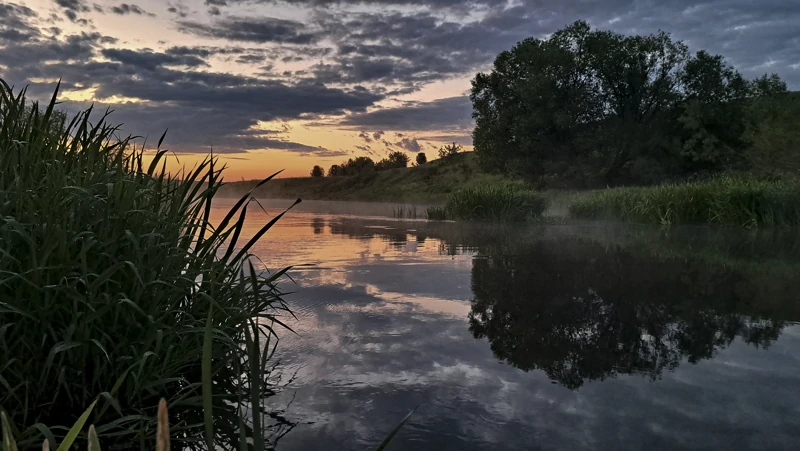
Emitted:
<point x="317" y="171"/>
<point x="724" y="201"/>
<point x="598" y="108"/>
<point x="421" y="158"/>
<point x="117" y="290"/>
<point x="353" y="166"/>
<point x="450" y="149"/>
<point x="395" y="159"/>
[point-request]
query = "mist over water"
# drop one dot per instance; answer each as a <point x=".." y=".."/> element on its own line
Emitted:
<point x="577" y="336"/>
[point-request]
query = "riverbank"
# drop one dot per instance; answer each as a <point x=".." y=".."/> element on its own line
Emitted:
<point x="429" y="183"/>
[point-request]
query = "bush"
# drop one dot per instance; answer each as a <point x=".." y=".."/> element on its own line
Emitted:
<point x="117" y="289"/>
<point x="492" y="203"/>
<point x="317" y="171"/>
<point x="723" y="201"/>
<point x="450" y="149"/>
<point x="395" y="159"/>
<point x="421" y="159"/>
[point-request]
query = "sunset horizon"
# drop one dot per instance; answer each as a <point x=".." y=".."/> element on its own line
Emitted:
<point x="286" y="85"/>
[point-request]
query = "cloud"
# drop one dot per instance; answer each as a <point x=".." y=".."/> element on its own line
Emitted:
<point x="178" y="9"/>
<point x="366" y="137"/>
<point x="260" y="30"/>
<point x="449" y="113"/>
<point x="147" y="59"/>
<point x="14" y="23"/>
<point x="410" y="145"/>
<point x="214" y="11"/>
<point x="72" y="8"/>
<point x="126" y="8"/>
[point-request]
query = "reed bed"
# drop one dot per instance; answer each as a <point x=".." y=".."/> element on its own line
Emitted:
<point x="502" y="203"/>
<point x="116" y="290"/>
<point x="724" y="201"/>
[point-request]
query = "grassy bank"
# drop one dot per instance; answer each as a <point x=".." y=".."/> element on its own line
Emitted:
<point x="117" y="291"/>
<point x="500" y="202"/>
<point x="724" y="201"/>
<point x="431" y="182"/>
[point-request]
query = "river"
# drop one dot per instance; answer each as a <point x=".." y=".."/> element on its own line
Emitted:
<point x="571" y="336"/>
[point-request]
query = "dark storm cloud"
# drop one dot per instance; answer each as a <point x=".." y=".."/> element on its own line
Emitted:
<point x="260" y="30"/>
<point x="126" y="8"/>
<point x="453" y="112"/>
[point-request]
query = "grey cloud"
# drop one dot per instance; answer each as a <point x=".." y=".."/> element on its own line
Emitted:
<point x="147" y="59"/>
<point x="410" y="145"/>
<point x="126" y="8"/>
<point x="365" y="136"/>
<point x="449" y="113"/>
<point x="377" y="135"/>
<point x="178" y="9"/>
<point x="72" y="8"/>
<point x="214" y="11"/>
<point x="250" y="59"/>
<point x="14" y="23"/>
<point x="260" y="30"/>
<point x="216" y="3"/>
<point x="73" y="5"/>
<point x="199" y="108"/>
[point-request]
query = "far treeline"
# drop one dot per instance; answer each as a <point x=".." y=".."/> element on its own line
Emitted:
<point x="396" y="159"/>
<point x="588" y="108"/>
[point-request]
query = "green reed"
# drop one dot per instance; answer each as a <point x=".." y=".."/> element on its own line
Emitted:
<point x="491" y="203"/>
<point x="405" y="212"/>
<point x="726" y="201"/>
<point x="116" y="290"/>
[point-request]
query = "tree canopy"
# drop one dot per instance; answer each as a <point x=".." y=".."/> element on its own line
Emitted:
<point x="601" y="104"/>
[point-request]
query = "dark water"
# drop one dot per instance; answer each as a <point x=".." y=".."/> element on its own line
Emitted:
<point x="562" y="337"/>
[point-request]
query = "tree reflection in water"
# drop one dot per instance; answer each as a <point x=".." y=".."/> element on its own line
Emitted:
<point x="581" y="311"/>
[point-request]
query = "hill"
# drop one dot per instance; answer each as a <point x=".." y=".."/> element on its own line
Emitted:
<point x="430" y="182"/>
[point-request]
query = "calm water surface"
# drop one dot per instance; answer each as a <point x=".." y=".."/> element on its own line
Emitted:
<point x="562" y="337"/>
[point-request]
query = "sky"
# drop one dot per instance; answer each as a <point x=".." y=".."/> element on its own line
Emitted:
<point x="287" y="84"/>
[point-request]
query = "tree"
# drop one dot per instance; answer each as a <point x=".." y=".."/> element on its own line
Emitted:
<point x="712" y="117"/>
<point x="421" y="158"/>
<point x="317" y="171"/>
<point x="335" y="170"/>
<point x="395" y="159"/>
<point x="595" y="103"/>
<point x="449" y="149"/>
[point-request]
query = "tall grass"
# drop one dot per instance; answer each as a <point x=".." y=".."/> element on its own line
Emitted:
<point x="405" y="212"/>
<point x="116" y="290"/>
<point x="723" y="201"/>
<point x="491" y="203"/>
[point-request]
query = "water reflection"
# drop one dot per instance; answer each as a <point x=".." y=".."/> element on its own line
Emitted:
<point x="591" y="304"/>
<point x="576" y="336"/>
<point x="580" y="311"/>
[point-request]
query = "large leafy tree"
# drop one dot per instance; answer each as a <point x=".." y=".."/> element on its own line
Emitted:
<point x="595" y="102"/>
